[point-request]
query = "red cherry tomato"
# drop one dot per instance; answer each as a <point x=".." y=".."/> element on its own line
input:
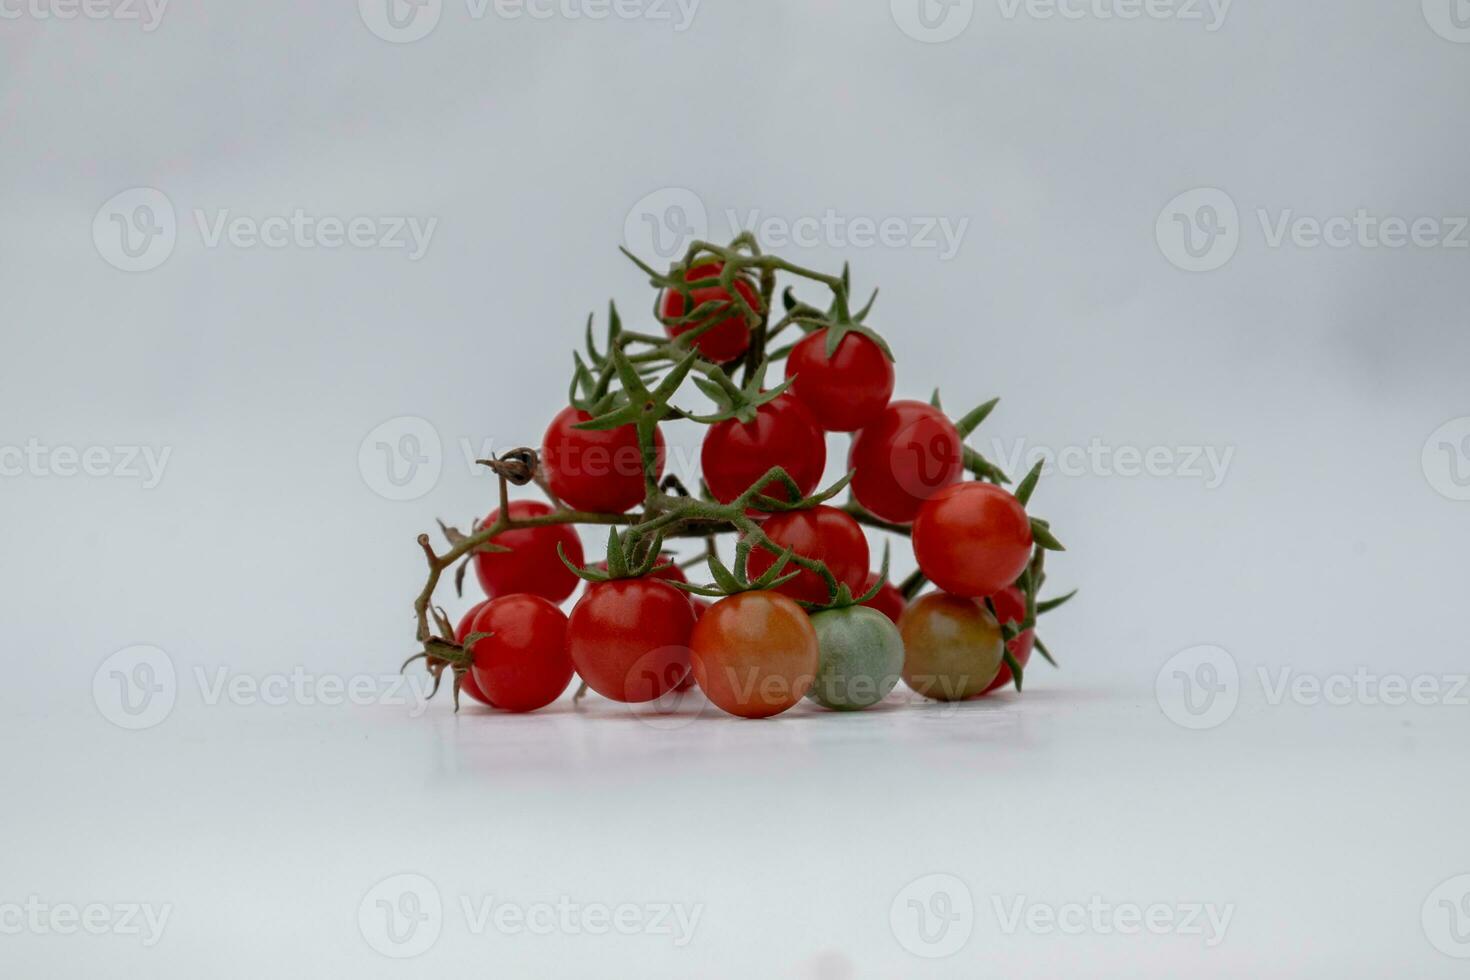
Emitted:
<point x="888" y="601"/>
<point x="822" y="533"/>
<point x="467" y="683"/>
<point x="629" y="638"/>
<point x="532" y="564"/>
<point x="600" y="472"/>
<point x="523" y="665"/>
<point x="911" y="452"/>
<point x="755" y="654"/>
<point x="730" y="336"/>
<point x="1010" y="607"/>
<point x="847" y="391"/>
<point x="972" y="539"/>
<point x="735" y="455"/>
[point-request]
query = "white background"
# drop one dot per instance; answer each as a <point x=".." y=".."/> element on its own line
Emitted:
<point x="1332" y="542"/>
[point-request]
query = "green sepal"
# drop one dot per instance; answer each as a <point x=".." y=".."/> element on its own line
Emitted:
<point x="983" y="468"/>
<point x="585" y="574"/>
<point x="1027" y="485"/>
<point x="972" y="421"/>
<point x="1016" y="671"/>
<point x="1048" y="605"/>
<point x="1043" y="536"/>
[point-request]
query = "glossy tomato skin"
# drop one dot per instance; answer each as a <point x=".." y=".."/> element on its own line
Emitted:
<point x="755" y="654"/>
<point x="467" y="683"/>
<point x="1010" y="607"/>
<point x="730" y="336"/>
<point x="532" y="564"/>
<point x="822" y="533"/>
<point x="972" y="539"/>
<point x="861" y="655"/>
<point x="629" y="638"/>
<point x="736" y="454"/>
<point x="889" y="601"/>
<point x="953" y="647"/>
<point x="847" y="391"/>
<point x="523" y="665"/>
<point x="600" y="472"/>
<point x="908" y="454"/>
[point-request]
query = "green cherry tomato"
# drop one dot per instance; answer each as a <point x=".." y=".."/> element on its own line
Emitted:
<point x="953" y="646"/>
<point x="861" y="657"/>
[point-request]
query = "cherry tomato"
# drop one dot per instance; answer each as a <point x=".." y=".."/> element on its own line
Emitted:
<point x="523" y="665"/>
<point x="847" y="391"/>
<point x="629" y="638"/>
<point x="736" y="454"/>
<point x="953" y="647"/>
<point x="822" y="533"/>
<point x="755" y="654"/>
<point x="467" y="683"/>
<point x="861" y="656"/>
<point x="532" y="564"/>
<point x="972" y="539"/>
<point x="730" y="336"/>
<point x="1010" y="607"/>
<point x="908" y="454"/>
<point x="889" y="601"/>
<point x="600" y="472"/>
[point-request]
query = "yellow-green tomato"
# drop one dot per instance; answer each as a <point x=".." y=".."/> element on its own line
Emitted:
<point x="954" y="647"/>
<point x="861" y="658"/>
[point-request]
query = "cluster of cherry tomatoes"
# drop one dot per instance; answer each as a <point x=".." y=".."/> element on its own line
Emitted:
<point x="769" y="632"/>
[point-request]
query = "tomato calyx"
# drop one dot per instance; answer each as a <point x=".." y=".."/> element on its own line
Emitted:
<point x="619" y="563"/>
<point x="718" y="269"/>
<point x="843" y="597"/>
<point x="734" y="401"/>
<point x="733" y="581"/>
